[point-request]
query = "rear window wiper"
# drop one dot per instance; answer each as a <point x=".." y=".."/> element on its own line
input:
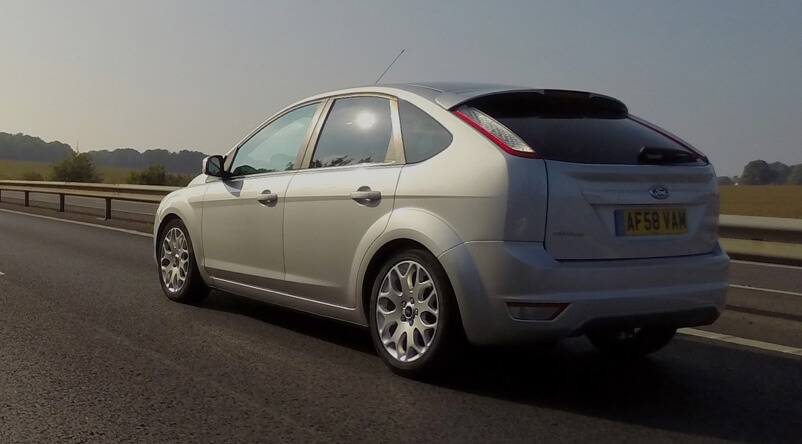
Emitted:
<point x="652" y="155"/>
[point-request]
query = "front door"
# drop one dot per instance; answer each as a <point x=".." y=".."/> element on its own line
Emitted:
<point x="242" y="221"/>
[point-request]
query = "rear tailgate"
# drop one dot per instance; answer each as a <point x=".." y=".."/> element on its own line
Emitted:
<point x="608" y="211"/>
<point x="618" y="186"/>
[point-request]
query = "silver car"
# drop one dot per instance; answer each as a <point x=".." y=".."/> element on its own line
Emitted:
<point x="448" y="214"/>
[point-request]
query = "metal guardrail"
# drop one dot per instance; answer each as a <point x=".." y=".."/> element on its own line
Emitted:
<point x="767" y="239"/>
<point x="108" y="192"/>
<point x="758" y="238"/>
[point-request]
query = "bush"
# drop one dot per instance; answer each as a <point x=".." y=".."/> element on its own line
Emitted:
<point x="757" y="172"/>
<point x="179" y="180"/>
<point x="156" y="175"/>
<point x="152" y="175"/>
<point x="75" y="168"/>
<point x="795" y="178"/>
<point x="724" y="180"/>
<point x="32" y="176"/>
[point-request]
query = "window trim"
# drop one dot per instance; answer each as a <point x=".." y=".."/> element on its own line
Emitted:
<point x="232" y="154"/>
<point x="395" y="150"/>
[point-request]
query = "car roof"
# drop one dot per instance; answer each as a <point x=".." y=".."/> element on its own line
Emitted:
<point x="449" y="95"/>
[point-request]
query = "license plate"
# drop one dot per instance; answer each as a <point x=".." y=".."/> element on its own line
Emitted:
<point x="650" y="222"/>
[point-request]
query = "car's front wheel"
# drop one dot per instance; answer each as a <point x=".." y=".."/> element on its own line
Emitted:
<point x="414" y="319"/>
<point x="633" y="341"/>
<point x="178" y="272"/>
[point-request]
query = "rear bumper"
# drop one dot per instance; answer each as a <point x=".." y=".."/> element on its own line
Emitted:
<point x="489" y="276"/>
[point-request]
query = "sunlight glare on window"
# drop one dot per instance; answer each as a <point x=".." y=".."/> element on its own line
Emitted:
<point x="365" y="120"/>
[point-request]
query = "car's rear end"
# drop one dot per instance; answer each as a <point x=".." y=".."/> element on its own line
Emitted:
<point x="630" y="237"/>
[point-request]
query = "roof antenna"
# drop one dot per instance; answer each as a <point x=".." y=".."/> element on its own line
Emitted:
<point x="388" y="68"/>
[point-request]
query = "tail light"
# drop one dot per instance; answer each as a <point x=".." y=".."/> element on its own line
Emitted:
<point x="495" y="131"/>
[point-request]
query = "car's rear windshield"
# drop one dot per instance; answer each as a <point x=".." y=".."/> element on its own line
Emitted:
<point x="581" y="128"/>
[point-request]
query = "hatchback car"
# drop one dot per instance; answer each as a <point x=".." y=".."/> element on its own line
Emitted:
<point x="440" y="215"/>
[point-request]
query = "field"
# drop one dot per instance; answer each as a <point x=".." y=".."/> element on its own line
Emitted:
<point x="16" y="169"/>
<point x="765" y="200"/>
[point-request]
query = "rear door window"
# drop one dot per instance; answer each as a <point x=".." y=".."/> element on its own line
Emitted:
<point x="357" y="130"/>
<point x="575" y="128"/>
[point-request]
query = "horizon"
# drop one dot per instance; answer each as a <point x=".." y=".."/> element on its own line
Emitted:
<point x="201" y="75"/>
<point x="143" y="151"/>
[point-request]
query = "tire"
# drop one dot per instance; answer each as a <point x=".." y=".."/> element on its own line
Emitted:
<point x="632" y="342"/>
<point x="178" y="270"/>
<point x="414" y="319"/>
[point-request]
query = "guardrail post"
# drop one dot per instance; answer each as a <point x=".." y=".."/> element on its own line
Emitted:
<point x="108" y="208"/>
<point x="26" y="199"/>
<point x="60" y="203"/>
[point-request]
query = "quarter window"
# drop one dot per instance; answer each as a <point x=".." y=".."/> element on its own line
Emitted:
<point x="357" y="130"/>
<point x="275" y="147"/>
<point x="423" y="136"/>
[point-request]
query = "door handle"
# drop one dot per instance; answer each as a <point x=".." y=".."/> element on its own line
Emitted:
<point x="267" y="197"/>
<point x="366" y="195"/>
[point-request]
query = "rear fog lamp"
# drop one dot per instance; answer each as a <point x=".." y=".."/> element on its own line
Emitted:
<point x="535" y="311"/>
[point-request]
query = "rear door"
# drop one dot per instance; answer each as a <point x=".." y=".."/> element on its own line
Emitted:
<point x="342" y="201"/>
<point x="619" y="187"/>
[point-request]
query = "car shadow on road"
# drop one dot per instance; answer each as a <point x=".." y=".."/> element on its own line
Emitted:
<point x="693" y="386"/>
<point x="330" y="330"/>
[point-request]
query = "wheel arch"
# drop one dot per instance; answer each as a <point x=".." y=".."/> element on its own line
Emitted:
<point x="194" y="233"/>
<point x="371" y="272"/>
<point x="169" y="217"/>
<point x="407" y="229"/>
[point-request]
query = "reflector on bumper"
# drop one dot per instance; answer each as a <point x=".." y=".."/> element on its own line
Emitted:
<point x="535" y="311"/>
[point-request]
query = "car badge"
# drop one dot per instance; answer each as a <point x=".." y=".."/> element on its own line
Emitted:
<point x="659" y="192"/>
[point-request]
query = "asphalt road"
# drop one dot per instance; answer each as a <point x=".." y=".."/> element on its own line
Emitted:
<point x="90" y="350"/>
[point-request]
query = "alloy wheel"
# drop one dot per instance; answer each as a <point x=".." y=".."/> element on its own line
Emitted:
<point x="407" y="311"/>
<point x="174" y="260"/>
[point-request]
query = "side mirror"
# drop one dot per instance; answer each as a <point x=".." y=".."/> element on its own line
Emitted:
<point x="213" y="166"/>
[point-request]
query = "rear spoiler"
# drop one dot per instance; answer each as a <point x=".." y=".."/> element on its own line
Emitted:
<point x="452" y="100"/>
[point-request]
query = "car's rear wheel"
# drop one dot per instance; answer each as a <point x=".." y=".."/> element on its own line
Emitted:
<point x="178" y="271"/>
<point x="414" y="319"/>
<point x="632" y="341"/>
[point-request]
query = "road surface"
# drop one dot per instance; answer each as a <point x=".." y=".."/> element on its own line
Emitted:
<point x="90" y="350"/>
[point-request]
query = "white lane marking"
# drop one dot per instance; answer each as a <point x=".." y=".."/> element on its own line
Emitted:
<point x="742" y="341"/>
<point x="766" y="264"/>
<point x="767" y="290"/>
<point x="121" y="230"/>
<point x="2" y="274"/>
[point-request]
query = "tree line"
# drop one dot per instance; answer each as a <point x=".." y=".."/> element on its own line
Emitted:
<point x="24" y="147"/>
<point x="155" y="167"/>
<point x="760" y="172"/>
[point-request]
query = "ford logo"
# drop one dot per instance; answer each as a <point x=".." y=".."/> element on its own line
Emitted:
<point x="659" y="192"/>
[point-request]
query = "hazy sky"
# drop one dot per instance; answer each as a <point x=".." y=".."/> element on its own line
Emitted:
<point x="724" y="75"/>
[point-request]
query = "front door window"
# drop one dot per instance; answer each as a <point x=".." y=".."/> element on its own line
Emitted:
<point x="275" y="147"/>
